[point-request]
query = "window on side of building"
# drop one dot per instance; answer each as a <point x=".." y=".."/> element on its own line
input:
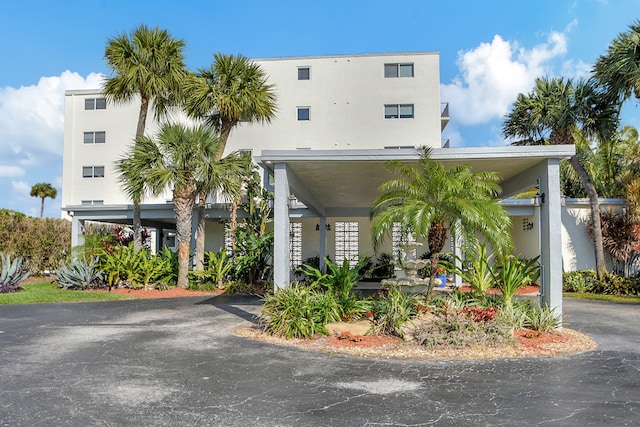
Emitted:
<point x="92" y="202"/>
<point x="304" y="113"/>
<point x="95" y="103"/>
<point x="94" y="137"/>
<point x="398" y="70"/>
<point x="395" y="111"/>
<point x="93" y="171"/>
<point x="304" y="73"/>
<point x="346" y="241"/>
<point x="295" y="245"/>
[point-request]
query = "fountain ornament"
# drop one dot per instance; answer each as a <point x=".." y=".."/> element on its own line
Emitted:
<point x="411" y="284"/>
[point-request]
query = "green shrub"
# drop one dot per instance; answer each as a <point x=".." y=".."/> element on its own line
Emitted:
<point x="476" y="270"/>
<point x="237" y="287"/>
<point x="542" y="319"/>
<point x="299" y="311"/>
<point x="43" y="243"/>
<point x="392" y="311"/>
<point x="13" y="272"/>
<point x="125" y="266"/>
<point x="79" y="274"/>
<point x="514" y="316"/>
<point x="579" y="281"/>
<point x="616" y="285"/>
<point x="217" y="268"/>
<point x="514" y="273"/>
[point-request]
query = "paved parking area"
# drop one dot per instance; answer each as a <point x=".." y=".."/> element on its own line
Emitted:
<point x="176" y="363"/>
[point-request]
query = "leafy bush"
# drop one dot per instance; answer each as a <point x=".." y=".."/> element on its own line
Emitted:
<point x="513" y="316"/>
<point x="237" y="287"/>
<point x="43" y="244"/>
<point x="514" y="273"/>
<point x="217" y="268"/>
<point x="13" y="272"/>
<point x="299" y="311"/>
<point x="477" y="270"/>
<point x="392" y="311"/>
<point x="616" y="285"/>
<point x="579" y="281"/>
<point x="542" y="319"/>
<point x="384" y="268"/>
<point x="79" y="274"/>
<point x="125" y="266"/>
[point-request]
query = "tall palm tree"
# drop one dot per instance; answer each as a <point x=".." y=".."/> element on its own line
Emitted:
<point x="176" y="159"/>
<point x="149" y="64"/>
<point x="43" y="190"/>
<point x="225" y="177"/>
<point x="430" y="198"/>
<point x="552" y="113"/>
<point x="231" y="89"/>
<point x="618" y="71"/>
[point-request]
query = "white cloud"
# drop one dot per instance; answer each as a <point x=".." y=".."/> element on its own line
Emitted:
<point x="10" y="171"/>
<point x="20" y="187"/>
<point x="493" y="74"/>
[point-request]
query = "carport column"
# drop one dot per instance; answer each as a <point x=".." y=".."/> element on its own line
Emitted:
<point x="323" y="242"/>
<point x="77" y="237"/>
<point x="281" y="270"/>
<point x="551" y="236"/>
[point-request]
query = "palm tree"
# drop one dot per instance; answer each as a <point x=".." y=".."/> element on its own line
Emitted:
<point x="176" y="159"/>
<point x="232" y="89"/>
<point x="149" y="64"/>
<point x="43" y="190"/>
<point x="619" y="70"/>
<point x="430" y="198"/>
<point x="553" y="113"/>
<point x="225" y="177"/>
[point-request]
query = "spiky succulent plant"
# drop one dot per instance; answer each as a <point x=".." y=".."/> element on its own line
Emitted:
<point x="78" y="274"/>
<point x="12" y="273"/>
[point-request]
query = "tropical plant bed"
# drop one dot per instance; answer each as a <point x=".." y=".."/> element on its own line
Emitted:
<point x="527" y="344"/>
<point x="525" y="290"/>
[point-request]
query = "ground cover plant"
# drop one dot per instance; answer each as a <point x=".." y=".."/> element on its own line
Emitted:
<point x="47" y="292"/>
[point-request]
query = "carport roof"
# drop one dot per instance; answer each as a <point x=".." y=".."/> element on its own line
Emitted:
<point x="333" y="181"/>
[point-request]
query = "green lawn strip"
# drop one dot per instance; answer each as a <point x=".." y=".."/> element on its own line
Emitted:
<point x="602" y="297"/>
<point x="44" y="292"/>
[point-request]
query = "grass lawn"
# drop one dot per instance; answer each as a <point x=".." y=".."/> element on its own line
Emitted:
<point x="601" y="297"/>
<point x="44" y="292"/>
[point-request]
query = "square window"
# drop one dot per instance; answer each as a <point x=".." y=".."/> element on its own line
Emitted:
<point x="87" y="171"/>
<point x="88" y="137"/>
<point x="304" y="73"/>
<point x="89" y="104"/>
<point x="303" y="113"/>
<point x="406" y="70"/>
<point x="406" y="111"/>
<point x="100" y="137"/>
<point x="390" y="111"/>
<point x="98" y="171"/>
<point x="101" y="104"/>
<point x="390" y="70"/>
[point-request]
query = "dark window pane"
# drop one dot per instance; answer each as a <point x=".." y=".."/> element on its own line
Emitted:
<point x="88" y="137"/>
<point x="100" y="137"/>
<point x="303" y="114"/>
<point x="391" y="70"/>
<point x="89" y="104"/>
<point x="390" y="111"/>
<point x="101" y="103"/>
<point x="98" y="171"/>
<point x="406" y="70"/>
<point x="304" y="73"/>
<point x="87" y="171"/>
<point x="406" y="111"/>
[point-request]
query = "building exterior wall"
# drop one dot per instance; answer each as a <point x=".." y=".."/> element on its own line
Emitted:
<point x="346" y="96"/>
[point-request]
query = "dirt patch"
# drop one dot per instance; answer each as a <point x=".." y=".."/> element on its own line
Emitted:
<point x="525" y="290"/>
<point x="155" y="293"/>
<point x="528" y="344"/>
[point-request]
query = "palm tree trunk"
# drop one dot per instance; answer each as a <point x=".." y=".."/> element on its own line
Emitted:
<point x="225" y="131"/>
<point x="200" y="232"/>
<point x="183" y="201"/>
<point x="601" y="267"/>
<point x="137" y="222"/>
<point x="42" y="208"/>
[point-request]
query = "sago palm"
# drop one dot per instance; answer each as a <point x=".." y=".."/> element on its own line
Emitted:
<point x="429" y="198"/>
<point x="551" y="114"/>
<point x="175" y="159"/>
<point x="147" y="64"/>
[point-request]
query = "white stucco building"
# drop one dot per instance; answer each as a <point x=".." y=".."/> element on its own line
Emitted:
<point x="339" y="119"/>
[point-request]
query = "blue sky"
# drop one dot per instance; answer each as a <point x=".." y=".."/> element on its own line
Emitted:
<point x="489" y="52"/>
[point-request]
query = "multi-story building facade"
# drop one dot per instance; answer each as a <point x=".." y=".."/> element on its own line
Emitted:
<point x="339" y="118"/>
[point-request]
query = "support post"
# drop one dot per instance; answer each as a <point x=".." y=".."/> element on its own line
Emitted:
<point x="281" y="269"/>
<point x="322" y="235"/>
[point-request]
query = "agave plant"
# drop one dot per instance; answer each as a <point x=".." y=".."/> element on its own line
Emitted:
<point x="78" y="274"/>
<point x="12" y="273"/>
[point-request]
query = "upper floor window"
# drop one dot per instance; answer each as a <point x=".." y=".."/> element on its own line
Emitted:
<point x="304" y="113"/>
<point x="395" y="111"/>
<point x="94" y="137"/>
<point x="95" y="103"/>
<point x="304" y="73"/>
<point x="93" y="171"/>
<point x="398" y="70"/>
<point x="92" y="203"/>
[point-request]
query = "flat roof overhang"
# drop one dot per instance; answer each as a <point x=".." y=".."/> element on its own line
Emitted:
<point x="345" y="182"/>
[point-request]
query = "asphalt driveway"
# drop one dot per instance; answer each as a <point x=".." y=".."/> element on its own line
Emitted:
<point x="176" y="363"/>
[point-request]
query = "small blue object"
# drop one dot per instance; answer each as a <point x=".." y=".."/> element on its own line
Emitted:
<point x="443" y="280"/>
